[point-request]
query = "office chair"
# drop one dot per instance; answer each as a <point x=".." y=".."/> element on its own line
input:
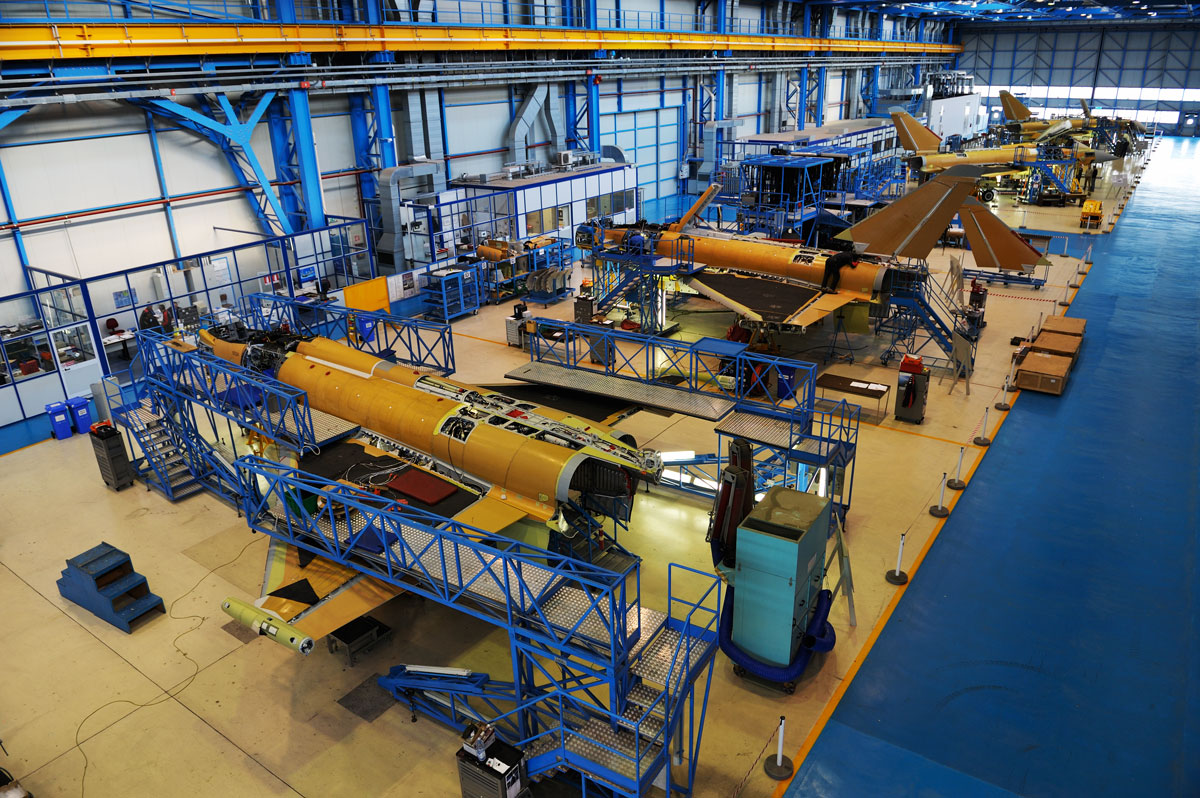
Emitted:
<point x="112" y="325"/>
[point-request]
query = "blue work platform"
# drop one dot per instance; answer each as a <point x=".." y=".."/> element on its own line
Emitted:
<point x="1049" y="643"/>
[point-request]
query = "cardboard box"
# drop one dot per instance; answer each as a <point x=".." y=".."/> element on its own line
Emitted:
<point x="1041" y="371"/>
<point x="1064" y="325"/>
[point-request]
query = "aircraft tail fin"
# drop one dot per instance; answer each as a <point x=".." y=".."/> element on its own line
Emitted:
<point x="993" y="243"/>
<point x="1014" y="109"/>
<point x="914" y="136"/>
<point x="911" y="226"/>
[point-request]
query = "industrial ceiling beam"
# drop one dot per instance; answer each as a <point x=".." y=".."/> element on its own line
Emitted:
<point x="155" y="39"/>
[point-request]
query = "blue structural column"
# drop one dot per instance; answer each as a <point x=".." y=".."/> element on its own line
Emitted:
<point x="7" y="118"/>
<point x="593" y="106"/>
<point x="385" y="130"/>
<point x="874" y="99"/>
<point x="718" y="110"/>
<point x="285" y="173"/>
<point x="364" y="146"/>
<point x="306" y="158"/>
<point x="162" y="184"/>
<point x="802" y="99"/>
<point x="920" y="38"/>
<point x="819" y="113"/>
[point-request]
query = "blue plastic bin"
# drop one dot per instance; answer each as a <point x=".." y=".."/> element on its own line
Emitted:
<point x="60" y="419"/>
<point x="81" y="414"/>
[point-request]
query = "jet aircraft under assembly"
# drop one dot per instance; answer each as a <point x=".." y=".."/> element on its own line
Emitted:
<point x="922" y="144"/>
<point x="1019" y="119"/>
<point x="475" y="456"/>
<point x="774" y="284"/>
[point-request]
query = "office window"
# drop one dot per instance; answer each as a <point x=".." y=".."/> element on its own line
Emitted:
<point x="605" y="204"/>
<point x="533" y="223"/>
<point x="28" y="357"/>
<point x="618" y="201"/>
<point x="74" y="345"/>
<point x="549" y="220"/>
<point x="564" y="216"/>
<point x="631" y="199"/>
<point x="593" y="207"/>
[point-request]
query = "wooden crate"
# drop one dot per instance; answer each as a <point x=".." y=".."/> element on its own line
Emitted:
<point x="1041" y="371"/>
<point x="1057" y="344"/>
<point x="1064" y="325"/>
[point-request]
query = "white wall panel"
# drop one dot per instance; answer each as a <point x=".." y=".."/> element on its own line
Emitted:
<point x="47" y="179"/>
<point x="88" y="248"/>
<point x="192" y="163"/>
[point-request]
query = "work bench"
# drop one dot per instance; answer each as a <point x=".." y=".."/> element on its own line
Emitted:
<point x="871" y="390"/>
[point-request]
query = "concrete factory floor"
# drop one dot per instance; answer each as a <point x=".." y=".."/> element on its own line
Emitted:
<point x="185" y="704"/>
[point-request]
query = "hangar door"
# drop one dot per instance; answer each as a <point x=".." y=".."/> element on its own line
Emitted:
<point x="650" y="139"/>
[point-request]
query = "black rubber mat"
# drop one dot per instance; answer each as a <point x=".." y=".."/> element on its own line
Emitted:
<point x="300" y="591"/>
<point x="349" y="461"/>
<point x="368" y="701"/>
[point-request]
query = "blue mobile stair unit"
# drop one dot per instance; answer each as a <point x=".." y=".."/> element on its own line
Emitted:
<point x="103" y="582"/>
<point x="779" y="615"/>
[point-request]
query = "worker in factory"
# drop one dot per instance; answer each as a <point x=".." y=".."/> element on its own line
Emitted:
<point x="148" y="321"/>
<point x="833" y="270"/>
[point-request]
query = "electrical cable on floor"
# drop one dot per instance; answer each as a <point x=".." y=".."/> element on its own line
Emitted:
<point x="742" y="785"/>
<point x="175" y="644"/>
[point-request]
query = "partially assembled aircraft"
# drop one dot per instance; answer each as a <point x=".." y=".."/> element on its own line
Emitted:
<point x="1019" y="119"/>
<point x="776" y="284"/>
<point x="922" y="145"/>
<point x="476" y="456"/>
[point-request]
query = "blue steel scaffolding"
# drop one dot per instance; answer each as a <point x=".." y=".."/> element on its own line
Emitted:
<point x="603" y="688"/>
<point x="780" y="195"/>
<point x="767" y="400"/>
<point x="635" y="272"/>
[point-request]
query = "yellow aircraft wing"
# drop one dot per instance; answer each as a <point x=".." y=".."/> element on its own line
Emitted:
<point x="820" y="307"/>
<point x="316" y="595"/>
<point x="912" y="225"/>
<point x="773" y="301"/>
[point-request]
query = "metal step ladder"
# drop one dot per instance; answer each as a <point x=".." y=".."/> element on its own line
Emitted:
<point x="845" y="580"/>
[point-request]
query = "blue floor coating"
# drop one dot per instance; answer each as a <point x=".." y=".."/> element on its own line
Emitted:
<point x="20" y="434"/>
<point x="1049" y="644"/>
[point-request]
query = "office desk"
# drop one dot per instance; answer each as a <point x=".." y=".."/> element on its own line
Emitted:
<point x="119" y="338"/>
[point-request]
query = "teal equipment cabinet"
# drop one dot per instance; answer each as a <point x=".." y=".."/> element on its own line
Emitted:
<point x="780" y="570"/>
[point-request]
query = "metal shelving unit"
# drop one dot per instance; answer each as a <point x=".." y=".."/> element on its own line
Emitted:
<point x="451" y="292"/>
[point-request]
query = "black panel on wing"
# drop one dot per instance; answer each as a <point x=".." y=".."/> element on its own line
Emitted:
<point x="300" y="591"/>
<point x="773" y="300"/>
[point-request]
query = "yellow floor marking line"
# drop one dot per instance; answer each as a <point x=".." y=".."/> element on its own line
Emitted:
<point x="836" y="698"/>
